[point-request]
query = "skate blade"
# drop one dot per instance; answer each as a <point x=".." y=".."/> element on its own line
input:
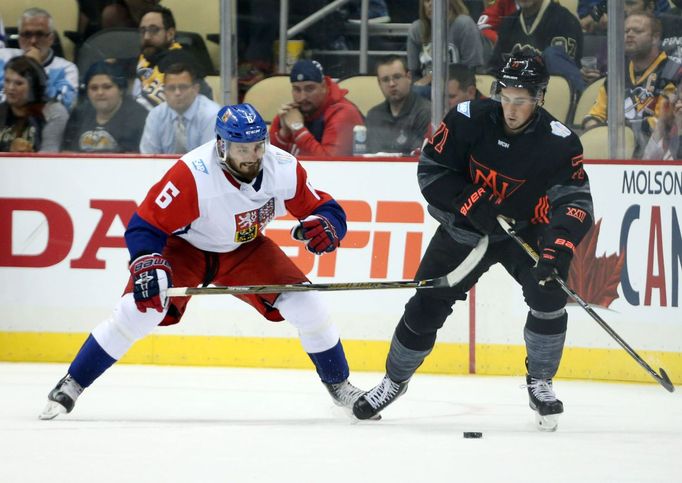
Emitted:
<point x="548" y="423"/>
<point x="51" y="411"/>
<point x="354" y="420"/>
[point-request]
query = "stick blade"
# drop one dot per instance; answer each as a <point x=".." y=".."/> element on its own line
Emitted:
<point x="665" y="381"/>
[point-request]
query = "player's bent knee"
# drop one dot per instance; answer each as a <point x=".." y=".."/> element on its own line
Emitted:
<point x="126" y="326"/>
<point x="426" y="314"/>
<point x="307" y="312"/>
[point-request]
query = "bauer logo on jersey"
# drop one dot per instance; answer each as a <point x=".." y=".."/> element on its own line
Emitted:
<point x="249" y="223"/>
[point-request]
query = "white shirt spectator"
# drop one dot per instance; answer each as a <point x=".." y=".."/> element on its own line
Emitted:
<point x="159" y="129"/>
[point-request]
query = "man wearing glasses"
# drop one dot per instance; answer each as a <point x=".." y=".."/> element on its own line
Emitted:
<point x="36" y="36"/>
<point x="400" y="123"/>
<point x="502" y="156"/>
<point x="158" y="51"/>
<point x="185" y="121"/>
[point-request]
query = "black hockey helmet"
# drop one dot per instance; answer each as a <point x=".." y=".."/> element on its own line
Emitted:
<point x="523" y="71"/>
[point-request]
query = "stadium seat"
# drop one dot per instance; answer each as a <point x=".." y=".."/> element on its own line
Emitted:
<point x="200" y="17"/>
<point x="483" y="83"/>
<point x="363" y="91"/>
<point x="586" y="101"/>
<point x="195" y="44"/>
<point x="558" y="98"/>
<point x="268" y="95"/>
<point x="215" y="84"/>
<point x="117" y="43"/>
<point x="596" y="143"/>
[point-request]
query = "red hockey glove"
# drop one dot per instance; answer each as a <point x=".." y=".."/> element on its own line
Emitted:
<point x="151" y="277"/>
<point x="480" y="206"/>
<point x="555" y="260"/>
<point x="318" y="233"/>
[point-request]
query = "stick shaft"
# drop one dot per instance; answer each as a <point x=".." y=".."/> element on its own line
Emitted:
<point x="661" y="379"/>
<point x="448" y="280"/>
<point x="298" y="287"/>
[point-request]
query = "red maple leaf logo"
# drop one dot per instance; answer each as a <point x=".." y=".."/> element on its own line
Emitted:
<point x="595" y="278"/>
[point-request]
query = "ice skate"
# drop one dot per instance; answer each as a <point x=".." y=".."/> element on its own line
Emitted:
<point x="543" y="401"/>
<point x="344" y="393"/>
<point x="373" y="401"/>
<point x="62" y="398"/>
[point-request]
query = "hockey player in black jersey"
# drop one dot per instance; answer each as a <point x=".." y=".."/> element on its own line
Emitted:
<point x="505" y="155"/>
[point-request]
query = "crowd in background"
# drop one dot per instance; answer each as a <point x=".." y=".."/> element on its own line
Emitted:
<point x="159" y="101"/>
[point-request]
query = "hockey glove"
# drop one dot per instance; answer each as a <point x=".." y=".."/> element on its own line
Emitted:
<point x="151" y="278"/>
<point x="480" y="206"/>
<point x="555" y="261"/>
<point x="318" y="233"/>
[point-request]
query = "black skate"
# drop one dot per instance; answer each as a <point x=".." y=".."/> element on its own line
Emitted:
<point x="373" y="401"/>
<point x="543" y="401"/>
<point x="62" y="398"/>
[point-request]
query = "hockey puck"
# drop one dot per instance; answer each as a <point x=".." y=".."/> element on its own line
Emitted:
<point x="472" y="435"/>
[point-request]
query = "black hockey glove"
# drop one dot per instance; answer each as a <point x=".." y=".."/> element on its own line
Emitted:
<point x="318" y="233"/>
<point x="555" y="260"/>
<point x="151" y="277"/>
<point x="480" y="206"/>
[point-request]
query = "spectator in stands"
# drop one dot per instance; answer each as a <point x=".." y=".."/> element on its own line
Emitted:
<point x="159" y="50"/>
<point x="672" y="31"/>
<point x="36" y="36"/>
<point x="666" y="141"/>
<point x="29" y="121"/>
<point x="490" y="20"/>
<point x="593" y="16"/>
<point x="95" y="15"/>
<point x="465" y="43"/>
<point x="376" y="13"/>
<point x="400" y="123"/>
<point x="650" y="74"/>
<point x="319" y="121"/>
<point x="109" y="120"/>
<point x="461" y="85"/>
<point x="185" y="121"/>
<point x="543" y="27"/>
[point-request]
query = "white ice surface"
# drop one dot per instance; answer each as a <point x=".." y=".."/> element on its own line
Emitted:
<point x="170" y="424"/>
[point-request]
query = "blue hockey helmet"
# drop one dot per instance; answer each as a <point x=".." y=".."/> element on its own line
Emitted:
<point x="240" y="123"/>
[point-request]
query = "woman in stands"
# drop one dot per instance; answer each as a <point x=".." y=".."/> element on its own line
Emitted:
<point x="109" y="120"/>
<point x="465" y="43"/>
<point x="28" y="122"/>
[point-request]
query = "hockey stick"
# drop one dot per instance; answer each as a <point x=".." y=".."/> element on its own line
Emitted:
<point x="661" y="378"/>
<point x="448" y="280"/>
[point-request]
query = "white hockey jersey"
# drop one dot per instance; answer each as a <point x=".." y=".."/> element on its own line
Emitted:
<point x="212" y="210"/>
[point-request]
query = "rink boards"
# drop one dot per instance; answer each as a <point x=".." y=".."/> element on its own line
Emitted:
<point x="63" y="264"/>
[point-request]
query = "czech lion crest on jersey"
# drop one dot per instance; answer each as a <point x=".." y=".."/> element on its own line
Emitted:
<point x="249" y="223"/>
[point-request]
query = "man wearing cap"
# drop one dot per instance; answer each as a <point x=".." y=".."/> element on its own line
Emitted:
<point x="319" y="121"/>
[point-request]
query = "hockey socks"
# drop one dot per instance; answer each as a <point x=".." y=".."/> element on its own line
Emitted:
<point x="331" y="365"/>
<point x="90" y="362"/>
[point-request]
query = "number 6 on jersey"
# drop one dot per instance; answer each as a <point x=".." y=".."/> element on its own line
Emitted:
<point x="167" y="194"/>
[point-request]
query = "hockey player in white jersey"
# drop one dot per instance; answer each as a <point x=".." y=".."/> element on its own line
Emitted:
<point x="203" y="223"/>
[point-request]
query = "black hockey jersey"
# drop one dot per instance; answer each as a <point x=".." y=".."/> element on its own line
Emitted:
<point x="538" y="174"/>
<point x="554" y="25"/>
